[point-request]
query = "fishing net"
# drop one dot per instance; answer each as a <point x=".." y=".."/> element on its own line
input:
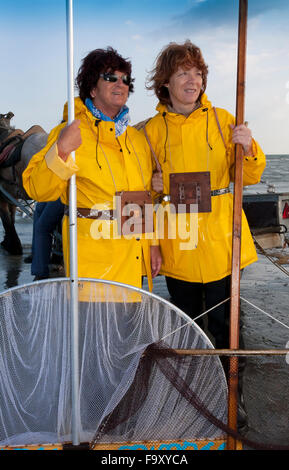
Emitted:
<point x="133" y="385"/>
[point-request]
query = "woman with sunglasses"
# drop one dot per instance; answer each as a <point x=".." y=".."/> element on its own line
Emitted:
<point x="193" y="143"/>
<point x="110" y="158"/>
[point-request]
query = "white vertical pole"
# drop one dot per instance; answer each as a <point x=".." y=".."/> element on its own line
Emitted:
<point x="73" y="271"/>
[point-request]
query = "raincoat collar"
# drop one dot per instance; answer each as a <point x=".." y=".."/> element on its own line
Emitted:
<point x="121" y="120"/>
<point x="205" y="103"/>
<point x="80" y="108"/>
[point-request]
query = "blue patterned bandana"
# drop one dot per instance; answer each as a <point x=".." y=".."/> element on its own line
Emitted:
<point x="121" y="120"/>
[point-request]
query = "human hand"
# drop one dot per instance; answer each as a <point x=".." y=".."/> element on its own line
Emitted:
<point x="243" y="136"/>
<point x="69" y="139"/>
<point x="157" y="182"/>
<point x="156" y="260"/>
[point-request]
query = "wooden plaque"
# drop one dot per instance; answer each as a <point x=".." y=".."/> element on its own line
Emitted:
<point x="137" y="206"/>
<point x="191" y="188"/>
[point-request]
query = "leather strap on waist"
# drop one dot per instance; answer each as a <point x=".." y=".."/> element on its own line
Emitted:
<point x="85" y="213"/>
<point x="215" y="192"/>
<point x="219" y="192"/>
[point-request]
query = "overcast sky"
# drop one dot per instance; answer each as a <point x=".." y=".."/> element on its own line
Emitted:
<point x="33" y="55"/>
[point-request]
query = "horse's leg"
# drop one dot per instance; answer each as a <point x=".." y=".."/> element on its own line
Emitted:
<point x="11" y="242"/>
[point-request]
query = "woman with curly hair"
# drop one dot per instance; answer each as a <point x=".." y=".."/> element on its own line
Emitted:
<point x="111" y="158"/>
<point x="193" y="143"/>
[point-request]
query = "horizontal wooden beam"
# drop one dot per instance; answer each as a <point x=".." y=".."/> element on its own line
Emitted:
<point x="231" y="352"/>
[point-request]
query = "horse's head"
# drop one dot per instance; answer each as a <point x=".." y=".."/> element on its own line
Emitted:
<point x="5" y="127"/>
<point x="5" y="120"/>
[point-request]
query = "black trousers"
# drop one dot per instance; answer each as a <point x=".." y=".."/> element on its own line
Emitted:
<point x="193" y="298"/>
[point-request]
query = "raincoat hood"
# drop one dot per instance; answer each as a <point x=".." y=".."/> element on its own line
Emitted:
<point x="205" y="103"/>
<point x="79" y="109"/>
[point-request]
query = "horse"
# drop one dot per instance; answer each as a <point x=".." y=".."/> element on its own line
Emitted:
<point x="16" y="150"/>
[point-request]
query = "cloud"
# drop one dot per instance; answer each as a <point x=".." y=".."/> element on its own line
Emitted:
<point x="223" y="12"/>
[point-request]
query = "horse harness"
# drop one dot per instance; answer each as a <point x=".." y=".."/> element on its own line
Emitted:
<point x="10" y="156"/>
<point x="10" y="150"/>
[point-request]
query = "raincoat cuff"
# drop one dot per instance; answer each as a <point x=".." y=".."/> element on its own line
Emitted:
<point x="154" y="242"/>
<point x="254" y="149"/>
<point x="62" y="169"/>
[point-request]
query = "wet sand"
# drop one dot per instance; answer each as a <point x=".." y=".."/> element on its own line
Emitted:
<point x="265" y="388"/>
<point x="266" y="379"/>
<point x="13" y="270"/>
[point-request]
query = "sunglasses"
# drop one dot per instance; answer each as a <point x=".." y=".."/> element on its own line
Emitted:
<point x="112" y="77"/>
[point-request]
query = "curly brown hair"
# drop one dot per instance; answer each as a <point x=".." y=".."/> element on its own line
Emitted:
<point x="97" y="62"/>
<point x="168" y="61"/>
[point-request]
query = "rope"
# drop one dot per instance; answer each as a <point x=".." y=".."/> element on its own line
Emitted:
<point x="194" y="319"/>
<point x="263" y="311"/>
<point x="217" y="305"/>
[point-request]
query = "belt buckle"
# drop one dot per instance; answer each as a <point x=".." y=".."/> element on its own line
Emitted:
<point x="94" y="213"/>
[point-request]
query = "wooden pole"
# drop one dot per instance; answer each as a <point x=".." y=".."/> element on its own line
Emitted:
<point x="231" y="352"/>
<point x="237" y="227"/>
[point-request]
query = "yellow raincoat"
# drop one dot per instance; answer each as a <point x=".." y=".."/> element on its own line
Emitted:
<point x="103" y="165"/>
<point x="193" y="144"/>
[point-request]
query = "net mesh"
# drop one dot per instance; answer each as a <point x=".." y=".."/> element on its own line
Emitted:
<point x="124" y="393"/>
